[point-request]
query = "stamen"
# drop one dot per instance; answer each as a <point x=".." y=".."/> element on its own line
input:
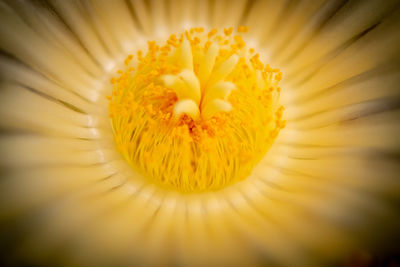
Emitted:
<point x="193" y="114"/>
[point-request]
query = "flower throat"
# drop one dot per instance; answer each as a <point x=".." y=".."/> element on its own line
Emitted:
<point x="198" y="112"/>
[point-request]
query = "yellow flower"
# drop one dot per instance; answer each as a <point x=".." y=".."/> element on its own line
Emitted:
<point x="180" y="113"/>
<point x="74" y="193"/>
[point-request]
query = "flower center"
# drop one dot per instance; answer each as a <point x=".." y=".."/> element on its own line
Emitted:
<point x="197" y="113"/>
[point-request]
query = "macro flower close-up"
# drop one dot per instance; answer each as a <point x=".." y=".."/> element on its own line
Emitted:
<point x="200" y="133"/>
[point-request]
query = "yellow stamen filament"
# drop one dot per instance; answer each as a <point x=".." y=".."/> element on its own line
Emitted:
<point x="197" y="113"/>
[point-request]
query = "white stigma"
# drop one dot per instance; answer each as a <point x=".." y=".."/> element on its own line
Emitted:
<point x="206" y="94"/>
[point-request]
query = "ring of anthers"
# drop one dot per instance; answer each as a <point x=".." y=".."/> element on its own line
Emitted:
<point x="198" y="113"/>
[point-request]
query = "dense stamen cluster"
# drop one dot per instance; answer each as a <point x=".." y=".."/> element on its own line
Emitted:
<point x="197" y="113"/>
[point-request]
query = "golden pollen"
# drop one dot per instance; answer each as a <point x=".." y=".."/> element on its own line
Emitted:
<point x="197" y="113"/>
